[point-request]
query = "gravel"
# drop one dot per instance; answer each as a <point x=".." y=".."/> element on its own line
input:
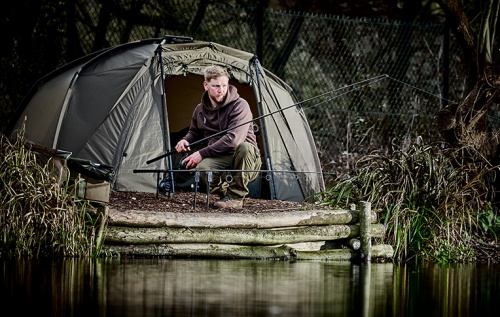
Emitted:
<point x="191" y="202"/>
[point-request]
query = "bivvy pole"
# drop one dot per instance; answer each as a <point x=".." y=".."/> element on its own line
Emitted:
<point x="165" y="127"/>
<point x="265" y="142"/>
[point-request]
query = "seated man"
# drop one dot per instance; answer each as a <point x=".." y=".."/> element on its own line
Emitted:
<point x="225" y="119"/>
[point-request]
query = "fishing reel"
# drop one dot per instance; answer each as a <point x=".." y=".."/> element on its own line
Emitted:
<point x="165" y="186"/>
<point x="182" y="165"/>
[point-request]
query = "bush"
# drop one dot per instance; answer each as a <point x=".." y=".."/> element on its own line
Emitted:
<point x="40" y="213"/>
<point x="437" y="202"/>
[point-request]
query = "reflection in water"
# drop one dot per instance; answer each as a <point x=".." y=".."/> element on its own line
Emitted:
<point x="235" y="288"/>
<point x="451" y="290"/>
<point x="163" y="287"/>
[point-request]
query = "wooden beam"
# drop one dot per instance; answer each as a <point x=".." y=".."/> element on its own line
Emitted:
<point x="130" y="235"/>
<point x="138" y="218"/>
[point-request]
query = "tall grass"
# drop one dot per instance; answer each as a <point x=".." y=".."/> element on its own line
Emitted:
<point x="40" y="214"/>
<point x="436" y="202"/>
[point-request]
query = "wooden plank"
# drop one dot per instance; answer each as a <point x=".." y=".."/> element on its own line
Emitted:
<point x="227" y="251"/>
<point x="132" y="235"/>
<point x="138" y="218"/>
<point x="214" y="251"/>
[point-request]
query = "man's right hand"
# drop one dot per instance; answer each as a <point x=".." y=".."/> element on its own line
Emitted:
<point x="192" y="160"/>
<point x="182" y="146"/>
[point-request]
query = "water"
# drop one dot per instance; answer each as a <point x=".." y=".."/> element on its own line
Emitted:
<point x="176" y="287"/>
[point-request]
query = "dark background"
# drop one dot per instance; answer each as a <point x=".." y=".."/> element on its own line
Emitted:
<point x="315" y="46"/>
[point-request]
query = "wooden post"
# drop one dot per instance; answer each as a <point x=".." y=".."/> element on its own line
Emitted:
<point x="364" y="230"/>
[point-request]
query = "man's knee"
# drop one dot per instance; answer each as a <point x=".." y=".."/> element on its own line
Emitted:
<point x="247" y="157"/>
<point x="244" y="149"/>
<point x="203" y="165"/>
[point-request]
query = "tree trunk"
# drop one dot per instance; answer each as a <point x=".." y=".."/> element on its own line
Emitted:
<point x="465" y="124"/>
<point x="281" y="60"/>
<point x="219" y="251"/>
<point x="227" y="251"/>
<point x="464" y="33"/>
<point x="120" y="235"/>
<point x="383" y="251"/>
<point x="231" y="220"/>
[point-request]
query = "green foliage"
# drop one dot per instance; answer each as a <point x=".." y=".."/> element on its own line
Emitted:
<point x="489" y="221"/>
<point x="436" y="202"/>
<point x="40" y="214"/>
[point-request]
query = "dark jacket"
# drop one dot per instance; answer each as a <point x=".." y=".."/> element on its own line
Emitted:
<point x="234" y="116"/>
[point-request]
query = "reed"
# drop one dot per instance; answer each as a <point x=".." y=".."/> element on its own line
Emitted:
<point x="437" y="202"/>
<point x="40" y="213"/>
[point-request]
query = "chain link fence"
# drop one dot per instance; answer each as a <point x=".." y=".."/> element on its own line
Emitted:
<point x="366" y="84"/>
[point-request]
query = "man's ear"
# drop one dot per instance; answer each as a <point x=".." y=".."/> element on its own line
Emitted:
<point x="205" y="85"/>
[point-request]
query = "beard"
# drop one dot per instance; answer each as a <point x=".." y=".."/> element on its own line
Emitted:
<point x="219" y="99"/>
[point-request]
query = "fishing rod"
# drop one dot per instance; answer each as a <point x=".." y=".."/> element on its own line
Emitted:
<point x="363" y="83"/>
<point x="164" y="185"/>
<point x="162" y="170"/>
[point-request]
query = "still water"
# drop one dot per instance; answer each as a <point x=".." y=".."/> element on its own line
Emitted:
<point x="176" y="287"/>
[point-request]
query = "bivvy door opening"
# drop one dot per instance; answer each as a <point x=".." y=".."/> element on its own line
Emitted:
<point x="183" y="93"/>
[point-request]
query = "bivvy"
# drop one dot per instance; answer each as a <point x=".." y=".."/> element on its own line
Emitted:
<point x="128" y="105"/>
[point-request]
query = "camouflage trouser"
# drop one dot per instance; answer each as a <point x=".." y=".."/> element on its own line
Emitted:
<point x="233" y="184"/>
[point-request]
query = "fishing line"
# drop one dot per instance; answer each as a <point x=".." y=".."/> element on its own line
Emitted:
<point x="356" y="85"/>
<point x="420" y="89"/>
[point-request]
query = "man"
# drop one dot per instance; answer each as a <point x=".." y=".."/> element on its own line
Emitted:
<point x="222" y="109"/>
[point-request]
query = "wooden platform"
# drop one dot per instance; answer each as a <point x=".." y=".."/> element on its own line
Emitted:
<point x="335" y="235"/>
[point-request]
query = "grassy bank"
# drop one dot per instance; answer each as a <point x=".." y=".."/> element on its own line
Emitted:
<point x="40" y="213"/>
<point x="439" y="204"/>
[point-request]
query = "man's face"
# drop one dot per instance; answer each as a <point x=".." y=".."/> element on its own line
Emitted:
<point x="217" y="88"/>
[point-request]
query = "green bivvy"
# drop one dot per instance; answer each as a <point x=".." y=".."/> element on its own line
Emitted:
<point x="110" y="107"/>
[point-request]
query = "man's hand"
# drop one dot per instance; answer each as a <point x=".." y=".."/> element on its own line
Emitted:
<point x="192" y="160"/>
<point x="182" y="146"/>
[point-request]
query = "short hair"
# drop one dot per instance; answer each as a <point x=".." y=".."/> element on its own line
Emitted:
<point x="215" y="71"/>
